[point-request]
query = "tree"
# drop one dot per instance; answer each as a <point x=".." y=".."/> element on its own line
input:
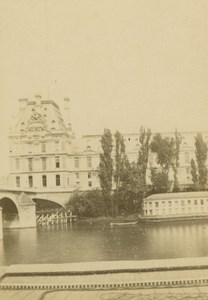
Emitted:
<point x="201" y="157"/>
<point x="194" y="175"/>
<point x="120" y="158"/>
<point x="144" y="139"/>
<point x="164" y="149"/>
<point x="176" y="161"/>
<point x="120" y="164"/>
<point x="106" y="169"/>
<point x="87" y="204"/>
<point x="160" y="181"/>
<point x="130" y="195"/>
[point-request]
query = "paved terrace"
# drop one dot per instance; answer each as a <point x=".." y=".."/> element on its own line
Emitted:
<point x="154" y="279"/>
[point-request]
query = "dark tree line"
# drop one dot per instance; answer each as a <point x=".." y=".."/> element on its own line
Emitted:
<point x="128" y="179"/>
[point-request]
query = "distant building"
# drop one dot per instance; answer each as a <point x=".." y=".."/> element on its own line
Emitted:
<point x="44" y="152"/>
<point x="171" y="205"/>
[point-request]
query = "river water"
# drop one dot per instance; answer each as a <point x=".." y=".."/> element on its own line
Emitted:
<point x="84" y="241"/>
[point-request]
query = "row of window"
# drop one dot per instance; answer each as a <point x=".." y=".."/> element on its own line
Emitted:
<point x="176" y="202"/>
<point x="170" y="211"/>
<point x="57" y="163"/>
<point x="89" y="175"/>
<point x="77" y="162"/>
<point x="44" y="181"/>
<point x="33" y="148"/>
<point x="58" y="146"/>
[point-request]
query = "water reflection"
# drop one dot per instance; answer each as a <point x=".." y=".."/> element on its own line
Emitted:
<point x="89" y="242"/>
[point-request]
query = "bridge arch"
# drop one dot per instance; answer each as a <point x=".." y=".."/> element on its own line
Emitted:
<point x="10" y="212"/>
<point x="9" y="203"/>
<point x="8" y="206"/>
<point x="43" y="204"/>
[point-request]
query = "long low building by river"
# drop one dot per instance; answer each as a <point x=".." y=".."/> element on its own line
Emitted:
<point x="170" y="205"/>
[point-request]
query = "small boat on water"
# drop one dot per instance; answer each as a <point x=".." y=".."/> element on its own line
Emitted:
<point x="123" y="223"/>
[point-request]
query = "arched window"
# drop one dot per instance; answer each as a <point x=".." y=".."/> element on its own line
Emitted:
<point x="43" y="147"/>
<point x="30" y="180"/>
<point x="44" y="180"/>
<point x="58" y="180"/>
<point x="63" y="145"/>
<point x="76" y="162"/>
<point x="57" y="161"/>
<point x="17" y="164"/>
<point x="17" y="181"/>
<point x="89" y="161"/>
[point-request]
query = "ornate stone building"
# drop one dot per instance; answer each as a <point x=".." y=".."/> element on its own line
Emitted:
<point x="45" y="154"/>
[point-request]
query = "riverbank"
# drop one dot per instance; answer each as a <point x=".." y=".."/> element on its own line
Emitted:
<point x="103" y="219"/>
<point x="172" y="218"/>
<point x="144" y="275"/>
<point x="142" y="219"/>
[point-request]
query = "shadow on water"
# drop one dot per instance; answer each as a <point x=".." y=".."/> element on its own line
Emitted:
<point x="85" y="241"/>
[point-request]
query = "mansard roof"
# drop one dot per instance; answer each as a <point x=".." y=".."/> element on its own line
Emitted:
<point x="40" y="115"/>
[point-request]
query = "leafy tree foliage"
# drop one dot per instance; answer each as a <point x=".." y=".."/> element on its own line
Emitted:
<point x="119" y="172"/>
<point x="144" y="139"/>
<point x="87" y="204"/>
<point x="194" y="175"/>
<point x="106" y="169"/>
<point x="164" y="149"/>
<point x="176" y="161"/>
<point x="120" y="159"/>
<point x="165" y="153"/>
<point x="160" y="181"/>
<point x="201" y="157"/>
<point x="130" y="195"/>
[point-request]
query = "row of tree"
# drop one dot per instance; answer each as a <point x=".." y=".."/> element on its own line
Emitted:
<point x="129" y="178"/>
<point x="123" y="183"/>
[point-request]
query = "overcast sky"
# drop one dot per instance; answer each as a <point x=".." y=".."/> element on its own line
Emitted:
<point x="122" y="63"/>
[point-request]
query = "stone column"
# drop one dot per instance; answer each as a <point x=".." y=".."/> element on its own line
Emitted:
<point x="1" y="225"/>
<point x="27" y="216"/>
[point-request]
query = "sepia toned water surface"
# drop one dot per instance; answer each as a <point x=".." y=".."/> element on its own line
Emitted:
<point x="83" y="241"/>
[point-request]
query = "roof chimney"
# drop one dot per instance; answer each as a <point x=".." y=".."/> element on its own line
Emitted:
<point x="38" y="99"/>
<point x="66" y="111"/>
<point x="22" y="104"/>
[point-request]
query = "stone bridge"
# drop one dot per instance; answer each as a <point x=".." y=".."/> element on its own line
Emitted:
<point x="19" y="206"/>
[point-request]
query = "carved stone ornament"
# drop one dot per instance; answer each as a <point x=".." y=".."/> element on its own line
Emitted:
<point x="36" y="116"/>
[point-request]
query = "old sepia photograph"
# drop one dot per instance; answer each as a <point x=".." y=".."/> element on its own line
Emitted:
<point x="103" y="149"/>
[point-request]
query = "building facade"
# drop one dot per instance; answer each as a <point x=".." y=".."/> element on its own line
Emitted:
<point x="176" y="204"/>
<point x="44" y="152"/>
